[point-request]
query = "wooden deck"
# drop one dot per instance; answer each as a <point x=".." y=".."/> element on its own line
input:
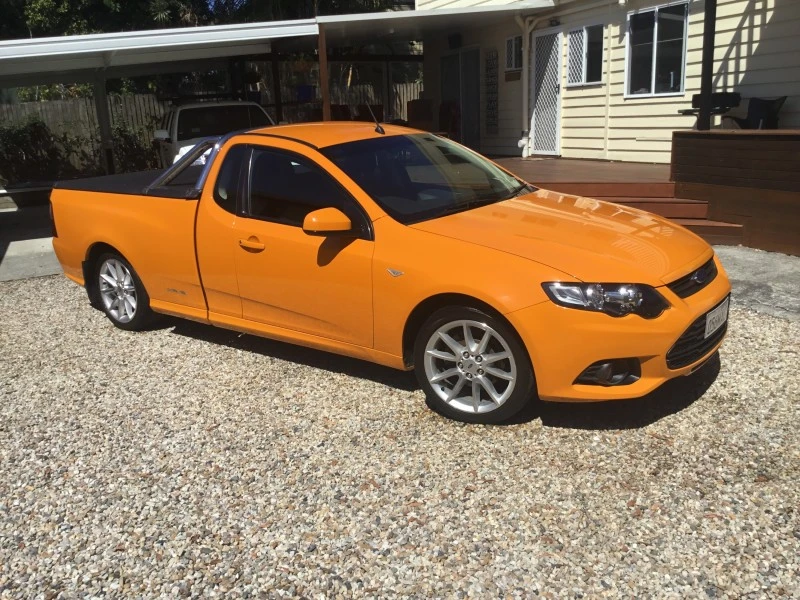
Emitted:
<point x="570" y="170"/>
<point x="748" y="177"/>
<point x="639" y="185"/>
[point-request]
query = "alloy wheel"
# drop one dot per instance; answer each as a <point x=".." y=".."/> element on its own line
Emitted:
<point x="470" y="366"/>
<point x="117" y="290"/>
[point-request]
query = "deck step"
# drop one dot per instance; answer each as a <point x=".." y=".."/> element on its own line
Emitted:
<point x="672" y="208"/>
<point x="605" y="189"/>
<point x="714" y="232"/>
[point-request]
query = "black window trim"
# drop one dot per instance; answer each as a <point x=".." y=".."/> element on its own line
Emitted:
<point x="241" y="177"/>
<point x="366" y="232"/>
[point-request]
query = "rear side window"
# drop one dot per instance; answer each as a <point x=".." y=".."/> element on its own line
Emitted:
<point x="206" y="121"/>
<point x="227" y="188"/>
<point x="285" y="187"/>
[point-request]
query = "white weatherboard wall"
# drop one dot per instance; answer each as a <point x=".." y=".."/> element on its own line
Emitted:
<point x="757" y="54"/>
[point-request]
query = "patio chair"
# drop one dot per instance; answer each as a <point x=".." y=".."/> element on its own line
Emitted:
<point x="761" y="114"/>
<point x="721" y="102"/>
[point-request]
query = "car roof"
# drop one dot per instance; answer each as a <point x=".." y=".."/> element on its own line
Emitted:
<point x="331" y="133"/>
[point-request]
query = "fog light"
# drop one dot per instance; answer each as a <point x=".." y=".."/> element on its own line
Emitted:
<point x="611" y="371"/>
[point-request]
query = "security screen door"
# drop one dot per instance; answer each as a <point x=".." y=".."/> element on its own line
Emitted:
<point x="546" y="94"/>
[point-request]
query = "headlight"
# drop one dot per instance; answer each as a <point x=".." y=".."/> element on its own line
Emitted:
<point x="615" y="299"/>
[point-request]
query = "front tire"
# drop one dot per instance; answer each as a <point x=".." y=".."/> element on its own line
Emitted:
<point x="472" y="366"/>
<point x="122" y="295"/>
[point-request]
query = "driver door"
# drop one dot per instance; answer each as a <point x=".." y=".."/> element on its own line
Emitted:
<point x="318" y="285"/>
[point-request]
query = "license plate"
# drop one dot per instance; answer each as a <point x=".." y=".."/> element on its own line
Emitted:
<point x="717" y="317"/>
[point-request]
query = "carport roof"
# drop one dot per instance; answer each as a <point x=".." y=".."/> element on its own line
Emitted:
<point x="415" y="24"/>
<point x="43" y="60"/>
<point x="37" y="58"/>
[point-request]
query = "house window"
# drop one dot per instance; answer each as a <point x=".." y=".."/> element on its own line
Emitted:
<point x="514" y="53"/>
<point x="585" y="55"/>
<point x="657" y="50"/>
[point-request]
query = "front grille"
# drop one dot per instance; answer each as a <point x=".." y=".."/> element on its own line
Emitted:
<point x="694" y="281"/>
<point x="692" y="345"/>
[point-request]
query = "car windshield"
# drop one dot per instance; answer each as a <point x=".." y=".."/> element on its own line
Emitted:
<point x="207" y="121"/>
<point x="419" y="177"/>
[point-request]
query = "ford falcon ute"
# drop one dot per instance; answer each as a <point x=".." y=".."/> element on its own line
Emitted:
<point x="403" y="248"/>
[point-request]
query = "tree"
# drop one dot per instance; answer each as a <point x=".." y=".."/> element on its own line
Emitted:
<point x="42" y="18"/>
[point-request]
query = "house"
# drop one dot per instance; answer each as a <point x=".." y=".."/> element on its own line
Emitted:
<point x="605" y="79"/>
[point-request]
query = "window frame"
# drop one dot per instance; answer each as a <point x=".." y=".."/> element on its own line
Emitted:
<point x="362" y="230"/>
<point x="243" y="173"/>
<point x="583" y="82"/>
<point x="654" y="9"/>
<point x="514" y="67"/>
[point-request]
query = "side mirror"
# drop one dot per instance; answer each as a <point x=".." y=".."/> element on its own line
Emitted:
<point x="161" y="135"/>
<point x="327" y="221"/>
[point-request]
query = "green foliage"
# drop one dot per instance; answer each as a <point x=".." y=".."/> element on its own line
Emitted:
<point x="29" y="151"/>
<point x="40" y="18"/>
<point x="130" y="152"/>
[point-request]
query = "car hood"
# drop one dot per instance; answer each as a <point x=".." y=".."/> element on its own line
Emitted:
<point x="586" y="238"/>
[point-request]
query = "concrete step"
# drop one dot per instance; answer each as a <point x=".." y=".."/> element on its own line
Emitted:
<point x="672" y="208"/>
<point x="714" y="232"/>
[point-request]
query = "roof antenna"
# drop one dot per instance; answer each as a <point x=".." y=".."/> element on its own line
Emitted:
<point x="378" y="128"/>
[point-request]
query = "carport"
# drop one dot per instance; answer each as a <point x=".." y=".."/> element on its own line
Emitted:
<point x="99" y="57"/>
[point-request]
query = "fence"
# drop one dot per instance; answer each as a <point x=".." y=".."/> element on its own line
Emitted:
<point x="78" y="116"/>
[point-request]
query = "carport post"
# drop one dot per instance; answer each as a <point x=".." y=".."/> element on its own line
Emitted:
<point x="104" y="120"/>
<point x="276" y="87"/>
<point x="323" y="75"/>
<point x="707" y="71"/>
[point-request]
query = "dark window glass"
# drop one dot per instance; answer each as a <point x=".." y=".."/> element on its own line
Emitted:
<point x="227" y="189"/>
<point x="285" y="187"/>
<point x="594" y="54"/>
<point x="670" y="48"/>
<point x="418" y="177"/>
<point x="258" y="117"/>
<point x="640" y="68"/>
<point x="205" y="121"/>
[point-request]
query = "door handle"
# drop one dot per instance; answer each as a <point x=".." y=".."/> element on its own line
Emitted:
<point x="252" y="244"/>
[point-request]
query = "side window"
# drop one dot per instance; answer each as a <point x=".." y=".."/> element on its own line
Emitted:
<point x="226" y="190"/>
<point x="285" y="187"/>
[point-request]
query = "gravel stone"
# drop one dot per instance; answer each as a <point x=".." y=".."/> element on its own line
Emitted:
<point x="189" y="461"/>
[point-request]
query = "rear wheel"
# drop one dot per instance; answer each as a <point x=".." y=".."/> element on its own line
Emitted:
<point x="472" y="366"/>
<point x="123" y="297"/>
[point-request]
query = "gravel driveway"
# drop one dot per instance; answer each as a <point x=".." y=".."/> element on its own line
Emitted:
<point x="195" y="461"/>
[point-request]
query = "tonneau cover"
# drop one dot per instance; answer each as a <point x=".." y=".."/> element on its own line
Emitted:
<point x="124" y="183"/>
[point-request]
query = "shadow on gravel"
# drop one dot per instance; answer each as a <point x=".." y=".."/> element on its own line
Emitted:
<point x="402" y="380"/>
<point x="672" y="397"/>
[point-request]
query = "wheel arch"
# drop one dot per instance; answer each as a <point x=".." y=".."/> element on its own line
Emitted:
<point x="430" y="305"/>
<point x="89" y="266"/>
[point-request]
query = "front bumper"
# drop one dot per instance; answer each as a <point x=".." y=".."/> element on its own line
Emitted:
<point x="562" y="342"/>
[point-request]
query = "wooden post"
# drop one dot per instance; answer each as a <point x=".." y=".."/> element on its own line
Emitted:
<point x="276" y="88"/>
<point x="323" y="75"/>
<point x="707" y="73"/>
<point x="104" y="121"/>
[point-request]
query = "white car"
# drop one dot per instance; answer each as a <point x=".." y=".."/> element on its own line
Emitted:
<point x="185" y="125"/>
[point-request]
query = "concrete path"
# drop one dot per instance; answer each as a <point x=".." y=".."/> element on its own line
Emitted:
<point x="25" y="244"/>
<point x="763" y="281"/>
<point x="766" y="282"/>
